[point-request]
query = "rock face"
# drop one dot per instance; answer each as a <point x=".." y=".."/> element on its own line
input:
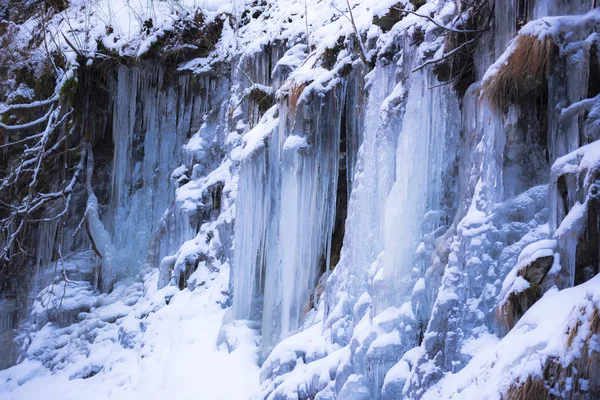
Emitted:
<point x="386" y="195"/>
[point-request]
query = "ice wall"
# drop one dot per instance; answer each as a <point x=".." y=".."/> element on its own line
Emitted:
<point x="153" y="115"/>
<point x="454" y="195"/>
<point x="435" y="227"/>
<point x="285" y="236"/>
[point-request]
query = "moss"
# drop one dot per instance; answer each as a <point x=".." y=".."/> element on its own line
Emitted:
<point x="387" y="21"/>
<point x="57" y="5"/>
<point x="156" y="48"/>
<point x="345" y="71"/>
<point x="329" y="56"/>
<point x="105" y="51"/>
<point x="261" y="98"/>
<point x="418" y="37"/>
<point x="68" y="90"/>
<point x="189" y="39"/>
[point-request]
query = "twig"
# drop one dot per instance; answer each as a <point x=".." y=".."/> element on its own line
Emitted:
<point x="447" y="28"/>
<point x="445" y="56"/>
<point x="34" y="104"/>
<point x="362" y="52"/>
<point x="306" y="26"/>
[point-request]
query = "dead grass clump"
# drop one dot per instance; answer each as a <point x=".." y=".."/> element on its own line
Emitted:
<point x="575" y="380"/>
<point x="386" y="22"/>
<point x="263" y="99"/>
<point x="293" y="95"/>
<point x="573" y="333"/>
<point x="531" y="389"/>
<point x="524" y="71"/>
<point x="189" y="38"/>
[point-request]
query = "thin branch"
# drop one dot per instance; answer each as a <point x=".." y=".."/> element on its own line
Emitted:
<point x="79" y="226"/>
<point x="28" y="124"/>
<point x="21" y="141"/>
<point x="445" y="56"/>
<point x="71" y="45"/>
<point x="447" y="28"/>
<point x="362" y="52"/>
<point x="9" y="244"/>
<point x="30" y="105"/>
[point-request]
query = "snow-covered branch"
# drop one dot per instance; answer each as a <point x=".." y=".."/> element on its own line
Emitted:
<point x="25" y="196"/>
<point x="34" y="104"/>
<point x="579" y="107"/>
<point x="98" y="235"/>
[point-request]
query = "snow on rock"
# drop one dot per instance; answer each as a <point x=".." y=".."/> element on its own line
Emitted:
<point x="539" y="335"/>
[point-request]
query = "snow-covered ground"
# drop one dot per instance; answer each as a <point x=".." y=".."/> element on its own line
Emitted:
<point x="172" y="353"/>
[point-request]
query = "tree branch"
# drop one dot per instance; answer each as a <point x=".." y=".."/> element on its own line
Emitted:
<point x="444" y="27"/>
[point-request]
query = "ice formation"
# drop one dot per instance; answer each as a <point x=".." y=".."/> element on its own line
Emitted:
<point x="315" y="200"/>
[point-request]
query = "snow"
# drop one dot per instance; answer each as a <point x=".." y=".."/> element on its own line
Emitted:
<point x="554" y="25"/>
<point x="119" y="24"/>
<point x="539" y="334"/>
<point x="585" y="158"/>
<point x="164" y="361"/>
<point x="254" y="140"/>
<point x="294" y="142"/>
<point x="536" y="250"/>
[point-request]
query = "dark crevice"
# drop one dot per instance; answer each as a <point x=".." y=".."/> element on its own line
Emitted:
<point x="341" y="207"/>
<point x="586" y="264"/>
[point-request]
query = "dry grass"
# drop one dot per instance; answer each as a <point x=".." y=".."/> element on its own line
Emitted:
<point x="524" y="72"/>
<point x="573" y="334"/>
<point x="531" y="389"/>
<point x="567" y="380"/>
<point x="262" y="99"/>
<point x="293" y="96"/>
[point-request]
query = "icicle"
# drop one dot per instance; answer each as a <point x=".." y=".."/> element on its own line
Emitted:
<point x="373" y="177"/>
<point x="544" y="8"/>
<point x="505" y="21"/>
<point x="429" y="132"/>
<point x="252" y="216"/>
<point x="99" y="237"/>
<point x="150" y="125"/>
<point x="303" y="203"/>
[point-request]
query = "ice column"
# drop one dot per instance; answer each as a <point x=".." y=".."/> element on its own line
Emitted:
<point x="413" y="209"/>
<point x="306" y="151"/>
<point x="150" y="124"/>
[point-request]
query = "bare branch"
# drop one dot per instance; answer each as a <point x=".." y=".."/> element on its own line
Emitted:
<point x="26" y="125"/>
<point x="35" y="104"/>
<point x="362" y="53"/>
<point x="444" y="27"/>
<point x="445" y="56"/>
